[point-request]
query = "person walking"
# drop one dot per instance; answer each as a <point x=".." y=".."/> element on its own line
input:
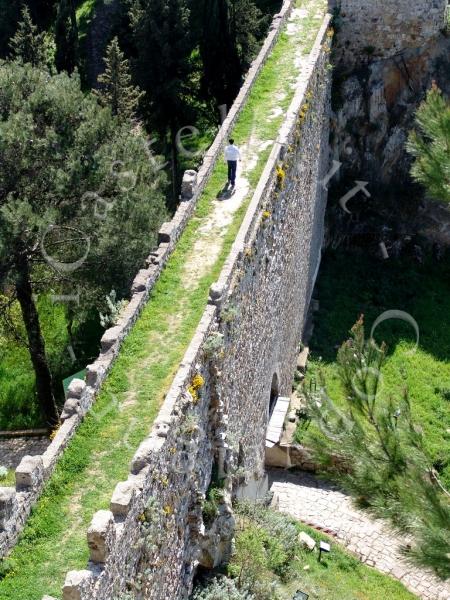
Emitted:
<point x="232" y="155"/>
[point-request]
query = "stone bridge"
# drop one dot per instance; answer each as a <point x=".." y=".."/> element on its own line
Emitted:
<point x="212" y="423"/>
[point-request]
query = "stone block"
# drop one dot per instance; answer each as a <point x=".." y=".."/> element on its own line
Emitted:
<point x="122" y="498"/>
<point x="95" y="373"/>
<point x="101" y="536"/>
<point x="110" y="338"/>
<point x="140" y="281"/>
<point x="76" y="388"/>
<point x="189" y="184"/>
<point x="306" y="541"/>
<point x="78" y="585"/>
<point x="216" y="293"/>
<point x="145" y="452"/>
<point x="302" y="360"/>
<point x="30" y="472"/>
<point x="8" y="505"/>
<point x="71" y="407"/>
<point x="165" y="233"/>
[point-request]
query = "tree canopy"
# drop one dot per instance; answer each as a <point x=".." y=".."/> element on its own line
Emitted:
<point x="430" y="146"/>
<point x="116" y="89"/>
<point x="374" y="449"/>
<point x="81" y="200"/>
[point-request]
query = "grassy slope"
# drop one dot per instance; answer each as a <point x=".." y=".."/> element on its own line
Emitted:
<point x="339" y="575"/>
<point x="54" y="538"/>
<point x="354" y="284"/>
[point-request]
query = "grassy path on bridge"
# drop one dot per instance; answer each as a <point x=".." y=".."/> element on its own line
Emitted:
<point x="54" y="540"/>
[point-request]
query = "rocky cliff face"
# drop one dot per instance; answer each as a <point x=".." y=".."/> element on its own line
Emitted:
<point x="374" y="106"/>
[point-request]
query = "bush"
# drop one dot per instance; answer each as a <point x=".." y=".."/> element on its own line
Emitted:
<point x="222" y="589"/>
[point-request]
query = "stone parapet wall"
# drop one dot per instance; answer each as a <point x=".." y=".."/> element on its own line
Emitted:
<point x="383" y="28"/>
<point x="213" y="419"/>
<point x="33" y="472"/>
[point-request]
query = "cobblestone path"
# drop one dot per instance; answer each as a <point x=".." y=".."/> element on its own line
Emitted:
<point x="325" y="507"/>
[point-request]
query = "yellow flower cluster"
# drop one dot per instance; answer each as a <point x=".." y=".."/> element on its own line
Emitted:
<point x="54" y="432"/>
<point x="168" y="510"/>
<point x="197" y="383"/>
<point x="281" y="175"/>
<point x="266" y="215"/>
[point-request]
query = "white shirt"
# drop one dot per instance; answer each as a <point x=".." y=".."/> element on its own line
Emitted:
<point x="232" y="153"/>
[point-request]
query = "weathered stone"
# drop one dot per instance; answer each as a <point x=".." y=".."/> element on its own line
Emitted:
<point x="145" y="452"/>
<point x="30" y="472"/>
<point x="122" y="498"/>
<point x="101" y="536"/>
<point x="76" y="388"/>
<point x="384" y="29"/>
<point x="307" y="541"/>
<point x="140" y="281"/>
<point x="110" y="338"/>
<point x="215" y="293"/>
<point x="165" y="233"/>
<point x="302" y="360"/>
<point x="189" y="184"/>
<point x="78" y="585"/>
<point x="8" y="505"/>
<point x="71" y="407"/>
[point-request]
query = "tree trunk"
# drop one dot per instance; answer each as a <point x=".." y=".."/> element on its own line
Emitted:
<point x="36" y="342"/>
<point x="174" y="156"/>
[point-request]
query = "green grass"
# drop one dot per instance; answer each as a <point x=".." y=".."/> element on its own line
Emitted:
<point x="18" y="403"/>
<point x="340" y="575"/>
<point x="268" y="541"/>
<point x="53" y="541"/>
<point x="351" y="284"/>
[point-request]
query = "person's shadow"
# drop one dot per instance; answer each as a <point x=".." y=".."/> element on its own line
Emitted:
<point x="226" y="192"/>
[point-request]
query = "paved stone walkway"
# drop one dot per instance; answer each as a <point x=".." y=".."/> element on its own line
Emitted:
<point x="325" y="507"/>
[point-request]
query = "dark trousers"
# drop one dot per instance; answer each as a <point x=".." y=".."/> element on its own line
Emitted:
<point x="232" y="168"/>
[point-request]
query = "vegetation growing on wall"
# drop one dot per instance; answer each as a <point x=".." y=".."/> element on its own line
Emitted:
<point x="270" y="563"/>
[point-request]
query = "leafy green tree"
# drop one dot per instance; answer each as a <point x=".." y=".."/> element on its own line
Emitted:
<point x="161" y="31"/>
<point x="430" y="145"/>
<point x="81" y="200"/>
<point x="28" y="44"/>
<point x="66" y="37"/>
<point x="375" y="451"/>
<point x="116" y="89"/>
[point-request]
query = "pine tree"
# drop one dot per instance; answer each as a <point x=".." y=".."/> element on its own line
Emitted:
<point x="430" y="145"/>
<point x="10" y="17"/>
<point x="375" y="451"/>
<point x="66" y="37"/>
<point x="84" y="182"/>
<point x="161" y="31"/>
<point x="228" y="43"/>
<point x="116" y="90"/>
<point x="27" y="44"/>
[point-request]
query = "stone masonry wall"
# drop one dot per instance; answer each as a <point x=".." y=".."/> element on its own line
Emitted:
<point x="214" y="417"/>
<point x="383" y="28"/>
<point x="33" y="472"/>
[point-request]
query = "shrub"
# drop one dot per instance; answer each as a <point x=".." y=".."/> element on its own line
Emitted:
<point x="222" y="589"/>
